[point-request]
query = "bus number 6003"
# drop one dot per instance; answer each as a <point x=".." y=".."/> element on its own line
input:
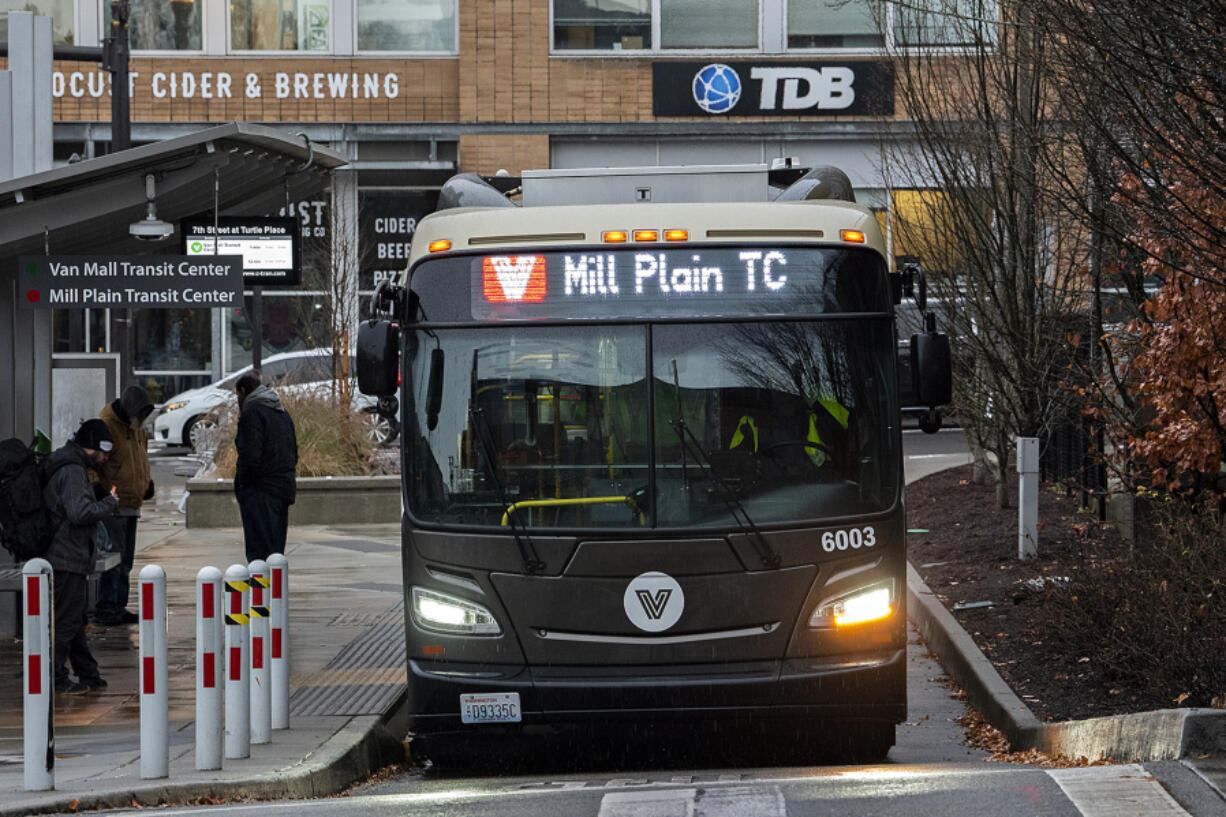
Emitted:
<point x="854" y="539"/>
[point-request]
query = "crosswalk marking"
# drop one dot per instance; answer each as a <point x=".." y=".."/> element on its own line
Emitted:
<point x="732" y="801"/>
<point x="1116" y="791"/>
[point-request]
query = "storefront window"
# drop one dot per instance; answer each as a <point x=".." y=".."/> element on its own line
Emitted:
<point x="173" y="339"/>
<point x="406" y="25"/>
<point x="291" y="321"/>
<point x="163" y="25"/>
<point x="832" y="24"/>
<point x="280" y="25"/>
<point x="942" y="22"/>
<point x="709" y="23"/>
<point x="68" y="331"/>
<point x="605" y="25"/>
<point x="60" y="12"/>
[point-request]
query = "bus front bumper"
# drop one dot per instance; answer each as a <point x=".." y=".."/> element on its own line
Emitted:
<point x="863" y="686"/>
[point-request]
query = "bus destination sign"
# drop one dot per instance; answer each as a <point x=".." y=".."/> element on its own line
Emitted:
<point x="645" y="283"/>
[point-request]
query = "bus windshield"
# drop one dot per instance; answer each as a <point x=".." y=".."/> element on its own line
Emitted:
<point x="652" y="425"/>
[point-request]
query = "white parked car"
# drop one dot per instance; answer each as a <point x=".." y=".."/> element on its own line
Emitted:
<point x="186" y="417"/>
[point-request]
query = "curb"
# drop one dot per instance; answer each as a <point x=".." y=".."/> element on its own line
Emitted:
<point x="363" y="744"/>
<point x="1164" y="734"/>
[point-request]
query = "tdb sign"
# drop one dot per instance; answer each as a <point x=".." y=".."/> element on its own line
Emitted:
<point x="853" y="88"/>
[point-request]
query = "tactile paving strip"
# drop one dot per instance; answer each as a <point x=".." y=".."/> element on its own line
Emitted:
<point x="365" y="678"/>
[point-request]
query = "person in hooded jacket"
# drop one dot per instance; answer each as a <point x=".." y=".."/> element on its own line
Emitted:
<point x="265" y="481"/>
<point x="127" y="468"/>
<point x="75" y="511"/>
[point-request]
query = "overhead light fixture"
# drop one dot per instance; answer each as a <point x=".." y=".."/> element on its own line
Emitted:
<point x="150" y="228"/>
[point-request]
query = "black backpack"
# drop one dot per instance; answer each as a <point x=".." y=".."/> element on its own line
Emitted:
<point x="25" y="524"/>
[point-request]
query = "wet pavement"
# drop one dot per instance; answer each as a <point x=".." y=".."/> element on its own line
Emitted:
<point x="344" y="589"/>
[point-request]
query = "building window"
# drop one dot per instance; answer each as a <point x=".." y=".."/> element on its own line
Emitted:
<point x="942" y="22"/>
<point x="406" y="25"/>
<point x="601" y="25"/>
<point x="832" y="24"/>
<point x="280" y="25"/>
<point x="60" y="12"/>
<point x="708" y="23"/>
<point x="161" y="25"/>
<point x="173" y="339"/>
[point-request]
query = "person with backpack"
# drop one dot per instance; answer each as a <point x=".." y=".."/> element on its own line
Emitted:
<point x="265" y="481"/>
<point x="127" y="468"/>
<point x="74" y="510"/>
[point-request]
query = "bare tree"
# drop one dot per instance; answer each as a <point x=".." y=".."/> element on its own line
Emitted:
<point x="1149" y="131"/>
<point x="983" y="217"/>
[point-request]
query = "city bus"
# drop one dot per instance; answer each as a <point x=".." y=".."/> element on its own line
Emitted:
<point x="652" y="466"/>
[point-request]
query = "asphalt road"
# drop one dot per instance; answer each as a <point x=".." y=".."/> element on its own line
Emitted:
<point x="931" y="772"/>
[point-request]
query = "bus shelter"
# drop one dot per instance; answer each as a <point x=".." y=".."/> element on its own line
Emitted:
<point x="90" y="208"/>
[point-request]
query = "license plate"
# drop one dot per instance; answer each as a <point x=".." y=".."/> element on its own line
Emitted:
<point x="494" y="707"/>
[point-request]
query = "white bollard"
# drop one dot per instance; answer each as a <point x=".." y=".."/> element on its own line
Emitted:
<point x="154" y="701"/>
<point x="238" y="688"/>
<point x="209" y="677"/>
<point x="278" y="608"/>
<point x="261" y="679"/>
<point x="39" y="686"/>
<point x="1027" y="497"/>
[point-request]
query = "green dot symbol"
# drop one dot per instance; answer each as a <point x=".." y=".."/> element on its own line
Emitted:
<point x="32" y="269"/>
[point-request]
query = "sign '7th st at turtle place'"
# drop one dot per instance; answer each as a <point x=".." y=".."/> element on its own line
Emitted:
<point x="131" y="281"/>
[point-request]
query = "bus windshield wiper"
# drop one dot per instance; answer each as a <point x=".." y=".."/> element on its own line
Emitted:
<point x="476" y="418"/>
<point x="735" y="509"/>
<point x="532" y="561"/>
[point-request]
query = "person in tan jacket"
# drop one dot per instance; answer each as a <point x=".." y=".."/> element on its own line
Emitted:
<point x="128" y="470"/>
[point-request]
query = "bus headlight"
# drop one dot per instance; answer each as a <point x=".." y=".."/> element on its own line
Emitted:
<point x="442" y="613"/>
<point x="864" y="604"/>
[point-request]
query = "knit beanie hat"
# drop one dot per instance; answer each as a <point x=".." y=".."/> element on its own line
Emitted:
<point x="93" y="434"/>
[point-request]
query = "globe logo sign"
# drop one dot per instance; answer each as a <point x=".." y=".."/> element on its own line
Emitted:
<point x="717" y="88"/>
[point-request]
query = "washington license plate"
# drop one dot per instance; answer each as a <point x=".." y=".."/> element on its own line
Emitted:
<point x="494" y="707"/>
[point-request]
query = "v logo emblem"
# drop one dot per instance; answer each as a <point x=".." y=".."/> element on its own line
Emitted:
<point x="654" y="605"/>
<point x="513" y="278"/>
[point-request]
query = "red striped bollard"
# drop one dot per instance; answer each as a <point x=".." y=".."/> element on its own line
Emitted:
<point x="238" y="688"/>
<point x="278" y="609"/>
<point x="209" y="662"/>
<point x="39" y="687"/>
<point x="154" y="700"/>
<point x="261" y="697"/>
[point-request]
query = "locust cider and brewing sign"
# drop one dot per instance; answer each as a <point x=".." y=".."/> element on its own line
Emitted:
<point x="130" y="281"/>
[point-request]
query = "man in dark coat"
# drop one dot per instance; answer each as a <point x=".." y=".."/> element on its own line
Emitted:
<point x="75" y="510"/>
<point x="127" y="468"/>
<point x="264" y="476"/>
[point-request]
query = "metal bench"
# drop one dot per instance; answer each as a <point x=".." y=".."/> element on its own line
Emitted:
<point x="10" y="591"/>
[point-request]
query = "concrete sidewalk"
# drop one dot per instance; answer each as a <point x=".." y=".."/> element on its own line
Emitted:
<point x="347" y="678"/>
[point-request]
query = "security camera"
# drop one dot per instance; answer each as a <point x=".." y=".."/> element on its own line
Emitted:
<point x="151" y="229"/>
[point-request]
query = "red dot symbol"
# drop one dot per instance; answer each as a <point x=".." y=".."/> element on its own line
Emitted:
<point x="32" y="296"/>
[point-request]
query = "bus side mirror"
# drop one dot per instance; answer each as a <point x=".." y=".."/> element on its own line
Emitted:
<point x="932" y="369"/>
<point x="378" y="358"/>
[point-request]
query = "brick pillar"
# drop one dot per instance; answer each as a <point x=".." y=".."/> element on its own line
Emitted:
<point x="488" y="153"/>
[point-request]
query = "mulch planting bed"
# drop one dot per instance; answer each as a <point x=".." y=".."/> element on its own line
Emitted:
<point x="965" y="548"/>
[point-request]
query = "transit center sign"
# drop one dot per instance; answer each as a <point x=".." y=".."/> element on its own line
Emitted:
<point x="131" y="281"/>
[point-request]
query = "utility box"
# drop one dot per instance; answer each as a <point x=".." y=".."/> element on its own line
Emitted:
<point x="630" y="185"/>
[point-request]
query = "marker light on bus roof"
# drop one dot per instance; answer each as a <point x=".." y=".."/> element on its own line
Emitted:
<point x="615" y="236"/>
<point x="854" y="236"/>
<point x="676" y="235"/>
<point x="646" y="235"/>
<point x="439" y="245"/>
